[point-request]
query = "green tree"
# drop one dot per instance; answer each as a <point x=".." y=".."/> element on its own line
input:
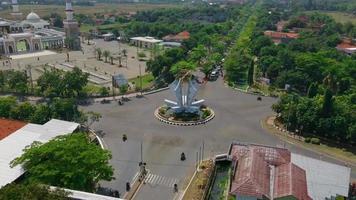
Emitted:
<point x="327" y="103"/>
<point x="69" y="161"/>
<point x="182" y="68"/>
<point x="41" y="115"/>
<point x="31" y="192"/>
<point x="50" y="83"/>
<point x="198" y="54"/>
<point x="22" y="112"/>
<point x="6" y="105"/>
<point x="74" y="81"/>
<point x="65" y="109"/>
<point x="17" y="81"/>
<point x="2" y="80"/>
<point x="104" y="91"/>
<point x="312" y="90"/>
<point x="250" y="74"/>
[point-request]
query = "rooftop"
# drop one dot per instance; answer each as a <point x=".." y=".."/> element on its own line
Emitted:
<point x="147" y="39"/>
<point x="9" y="126"/>
<point x="280" y="35"/>
<point x="12" y="146"/>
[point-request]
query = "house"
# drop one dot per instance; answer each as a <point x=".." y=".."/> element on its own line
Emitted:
<point x="281" y="37"/>
<point x="347" y="46"/>
<point x="18" y="135"/>
<point x="265" y="172"/>
<point x="180" y="37"/>
<point x="144" y="42"/>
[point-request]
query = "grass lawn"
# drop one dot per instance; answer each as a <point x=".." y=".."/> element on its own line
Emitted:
<point x="147" y="81"/>
<point x="43" y="10"/>
<point x="339" y="16"/>
<point x="92" y="89"/>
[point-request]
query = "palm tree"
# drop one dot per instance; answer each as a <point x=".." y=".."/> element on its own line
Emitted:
<point x="124" y="51"/>
<point x="98" y="52"/>
<point x="106" y="54"/>
<point x="111" y="60"/>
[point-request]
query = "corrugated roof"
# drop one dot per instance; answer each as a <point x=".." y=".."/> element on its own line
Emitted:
<point x="324" y="179"/>
<point x="12" y="146"/>
<point x="9" y="126"/>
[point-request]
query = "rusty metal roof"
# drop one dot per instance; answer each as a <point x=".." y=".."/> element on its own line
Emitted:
<point x="8" y="126"/>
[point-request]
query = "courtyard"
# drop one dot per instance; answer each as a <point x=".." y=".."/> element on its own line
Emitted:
<point x="85" y="60"/>
<point x="238" y="118"/>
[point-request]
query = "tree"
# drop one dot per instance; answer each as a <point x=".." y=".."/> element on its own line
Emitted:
<point x="182" y="68"/>
<point x="327" y="103"/>
<point x="41" y="115"/>
<point x="6" y="105"/>
<point x="2" y="80"/>
<point x="312" y="90"/>
<point x="250" y="74"/>
<point x="106" y="54"/>
<point x="50" y="83"/>
<point x="65" y="109"/>
<point x="31" y="192"/>
<point x="98" y="53"/>
<point x="73" y="82"/>
<point x="22" y="112"/>
<point x="198" y="54"/>
<point x="17" y="81"/>
<point x="104" y="91"/>
<point x="69" y="161"/>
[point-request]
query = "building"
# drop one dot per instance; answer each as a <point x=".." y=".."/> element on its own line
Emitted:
<point x="281" y="37"/>
<point x="34" y="22"/>
<point x="29" y="35"/>
<point x="144" y="42"/>
<point x="71" y="28"/>
<point x="264" y="172"/>
<point x="180" y="37"/>
<point x="347" y="46"/>
<point x="17" y="135"/>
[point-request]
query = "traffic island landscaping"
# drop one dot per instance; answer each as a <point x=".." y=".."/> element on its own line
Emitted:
<point x="198" y="186"/>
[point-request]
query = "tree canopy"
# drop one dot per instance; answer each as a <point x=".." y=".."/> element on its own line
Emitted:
<point x="31" y="192"/>
<point x="70" y="161"/>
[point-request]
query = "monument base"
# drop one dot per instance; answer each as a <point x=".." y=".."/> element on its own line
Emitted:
<point x="164" y="115"/>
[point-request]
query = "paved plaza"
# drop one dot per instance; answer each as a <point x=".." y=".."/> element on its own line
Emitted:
<point x="238" y="118"/>
<point x="85" y="60"/>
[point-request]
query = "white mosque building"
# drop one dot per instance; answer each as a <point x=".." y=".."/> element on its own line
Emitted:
<point x="32" y="34"/>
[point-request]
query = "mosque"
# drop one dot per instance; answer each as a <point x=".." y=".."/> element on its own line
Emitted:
<point x="35" y="34"/>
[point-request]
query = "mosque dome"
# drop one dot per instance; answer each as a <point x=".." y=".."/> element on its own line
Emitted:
<point x="33" y="17"/>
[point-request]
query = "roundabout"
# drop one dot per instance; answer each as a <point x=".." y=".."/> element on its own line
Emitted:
<point x="207" y="115"/>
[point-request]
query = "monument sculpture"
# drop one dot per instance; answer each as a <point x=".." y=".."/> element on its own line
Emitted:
<point x="186" y="109"/>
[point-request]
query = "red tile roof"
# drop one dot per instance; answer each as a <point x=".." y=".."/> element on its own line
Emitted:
<point x="290" y="180"/>
<point x="185" y="35"/>
<point x="252" y="177"/>
<point x="280" y="35"/>
<point x="345" y="45"/>
<point x="9" y="126"/>
<point x="253" y="172"/>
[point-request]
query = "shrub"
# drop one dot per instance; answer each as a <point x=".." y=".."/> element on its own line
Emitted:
<point x="307" y="140"/>
<point x="315" y="141"/>
<point x="206" y="113"/>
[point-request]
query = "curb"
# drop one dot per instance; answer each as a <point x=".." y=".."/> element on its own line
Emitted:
<point x="176" y="123"/>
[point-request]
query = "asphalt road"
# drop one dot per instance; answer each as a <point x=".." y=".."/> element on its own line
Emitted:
<point x="238" y="118"/>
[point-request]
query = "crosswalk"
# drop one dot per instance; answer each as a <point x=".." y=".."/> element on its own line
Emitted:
<point x="155" y="179"/>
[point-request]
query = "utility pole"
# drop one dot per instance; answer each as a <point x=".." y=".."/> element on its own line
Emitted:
<point x="202" y="152"/>
<point x="29" y="71"/>
<point x="139" y="65"/>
